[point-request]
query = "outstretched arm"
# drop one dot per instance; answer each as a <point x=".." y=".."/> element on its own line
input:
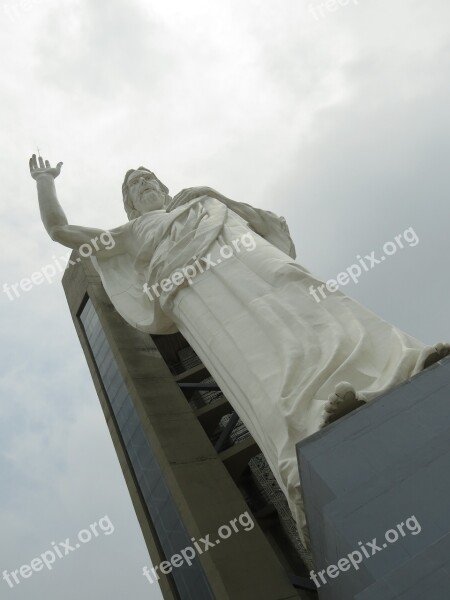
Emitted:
<point x="54" y="219"/>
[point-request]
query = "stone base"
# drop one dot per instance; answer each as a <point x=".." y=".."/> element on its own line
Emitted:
<point x="370" y="472"/>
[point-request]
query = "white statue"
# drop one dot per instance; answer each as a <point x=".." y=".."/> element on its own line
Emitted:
<point x="224" y="275"/>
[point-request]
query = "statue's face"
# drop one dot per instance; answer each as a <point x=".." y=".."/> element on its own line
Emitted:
<point x="145" y="192"/>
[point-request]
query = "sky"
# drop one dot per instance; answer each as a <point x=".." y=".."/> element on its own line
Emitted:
<point x="334" y="115"/>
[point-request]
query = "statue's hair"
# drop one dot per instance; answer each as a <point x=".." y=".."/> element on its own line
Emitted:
<point x="132" y="213"/>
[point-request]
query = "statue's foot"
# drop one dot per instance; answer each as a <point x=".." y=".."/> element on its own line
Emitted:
<point x="433" y="354"/>
<point x="344" y="400"/>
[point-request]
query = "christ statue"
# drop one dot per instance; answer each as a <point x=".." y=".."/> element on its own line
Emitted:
<point x="288" y="364"/>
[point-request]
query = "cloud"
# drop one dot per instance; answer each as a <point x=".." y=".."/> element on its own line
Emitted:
<point x="340" y="124"/>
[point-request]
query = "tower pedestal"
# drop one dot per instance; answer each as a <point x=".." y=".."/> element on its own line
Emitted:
<point x="383" y="472"/>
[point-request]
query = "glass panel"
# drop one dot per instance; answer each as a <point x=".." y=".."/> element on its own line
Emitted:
<point x="190" y="581"/>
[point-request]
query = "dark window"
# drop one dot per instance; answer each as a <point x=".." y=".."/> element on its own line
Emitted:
<point x="190" y="581"/>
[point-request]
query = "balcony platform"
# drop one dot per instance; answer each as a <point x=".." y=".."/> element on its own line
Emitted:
<point x="369" y="472"/>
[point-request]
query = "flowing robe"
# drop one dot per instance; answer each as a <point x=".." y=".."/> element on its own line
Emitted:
<point x="276" y="353"/>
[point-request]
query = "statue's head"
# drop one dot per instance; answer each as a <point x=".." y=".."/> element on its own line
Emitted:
<point x="143" y="192"/>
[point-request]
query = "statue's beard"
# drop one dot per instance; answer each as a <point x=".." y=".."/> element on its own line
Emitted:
<point x="153" y="201"/>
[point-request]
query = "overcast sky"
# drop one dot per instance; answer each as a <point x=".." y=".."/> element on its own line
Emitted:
<point x="337" y="120"/>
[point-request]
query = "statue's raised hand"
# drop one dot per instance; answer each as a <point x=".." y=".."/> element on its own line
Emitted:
<point x="43" y="167"/>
